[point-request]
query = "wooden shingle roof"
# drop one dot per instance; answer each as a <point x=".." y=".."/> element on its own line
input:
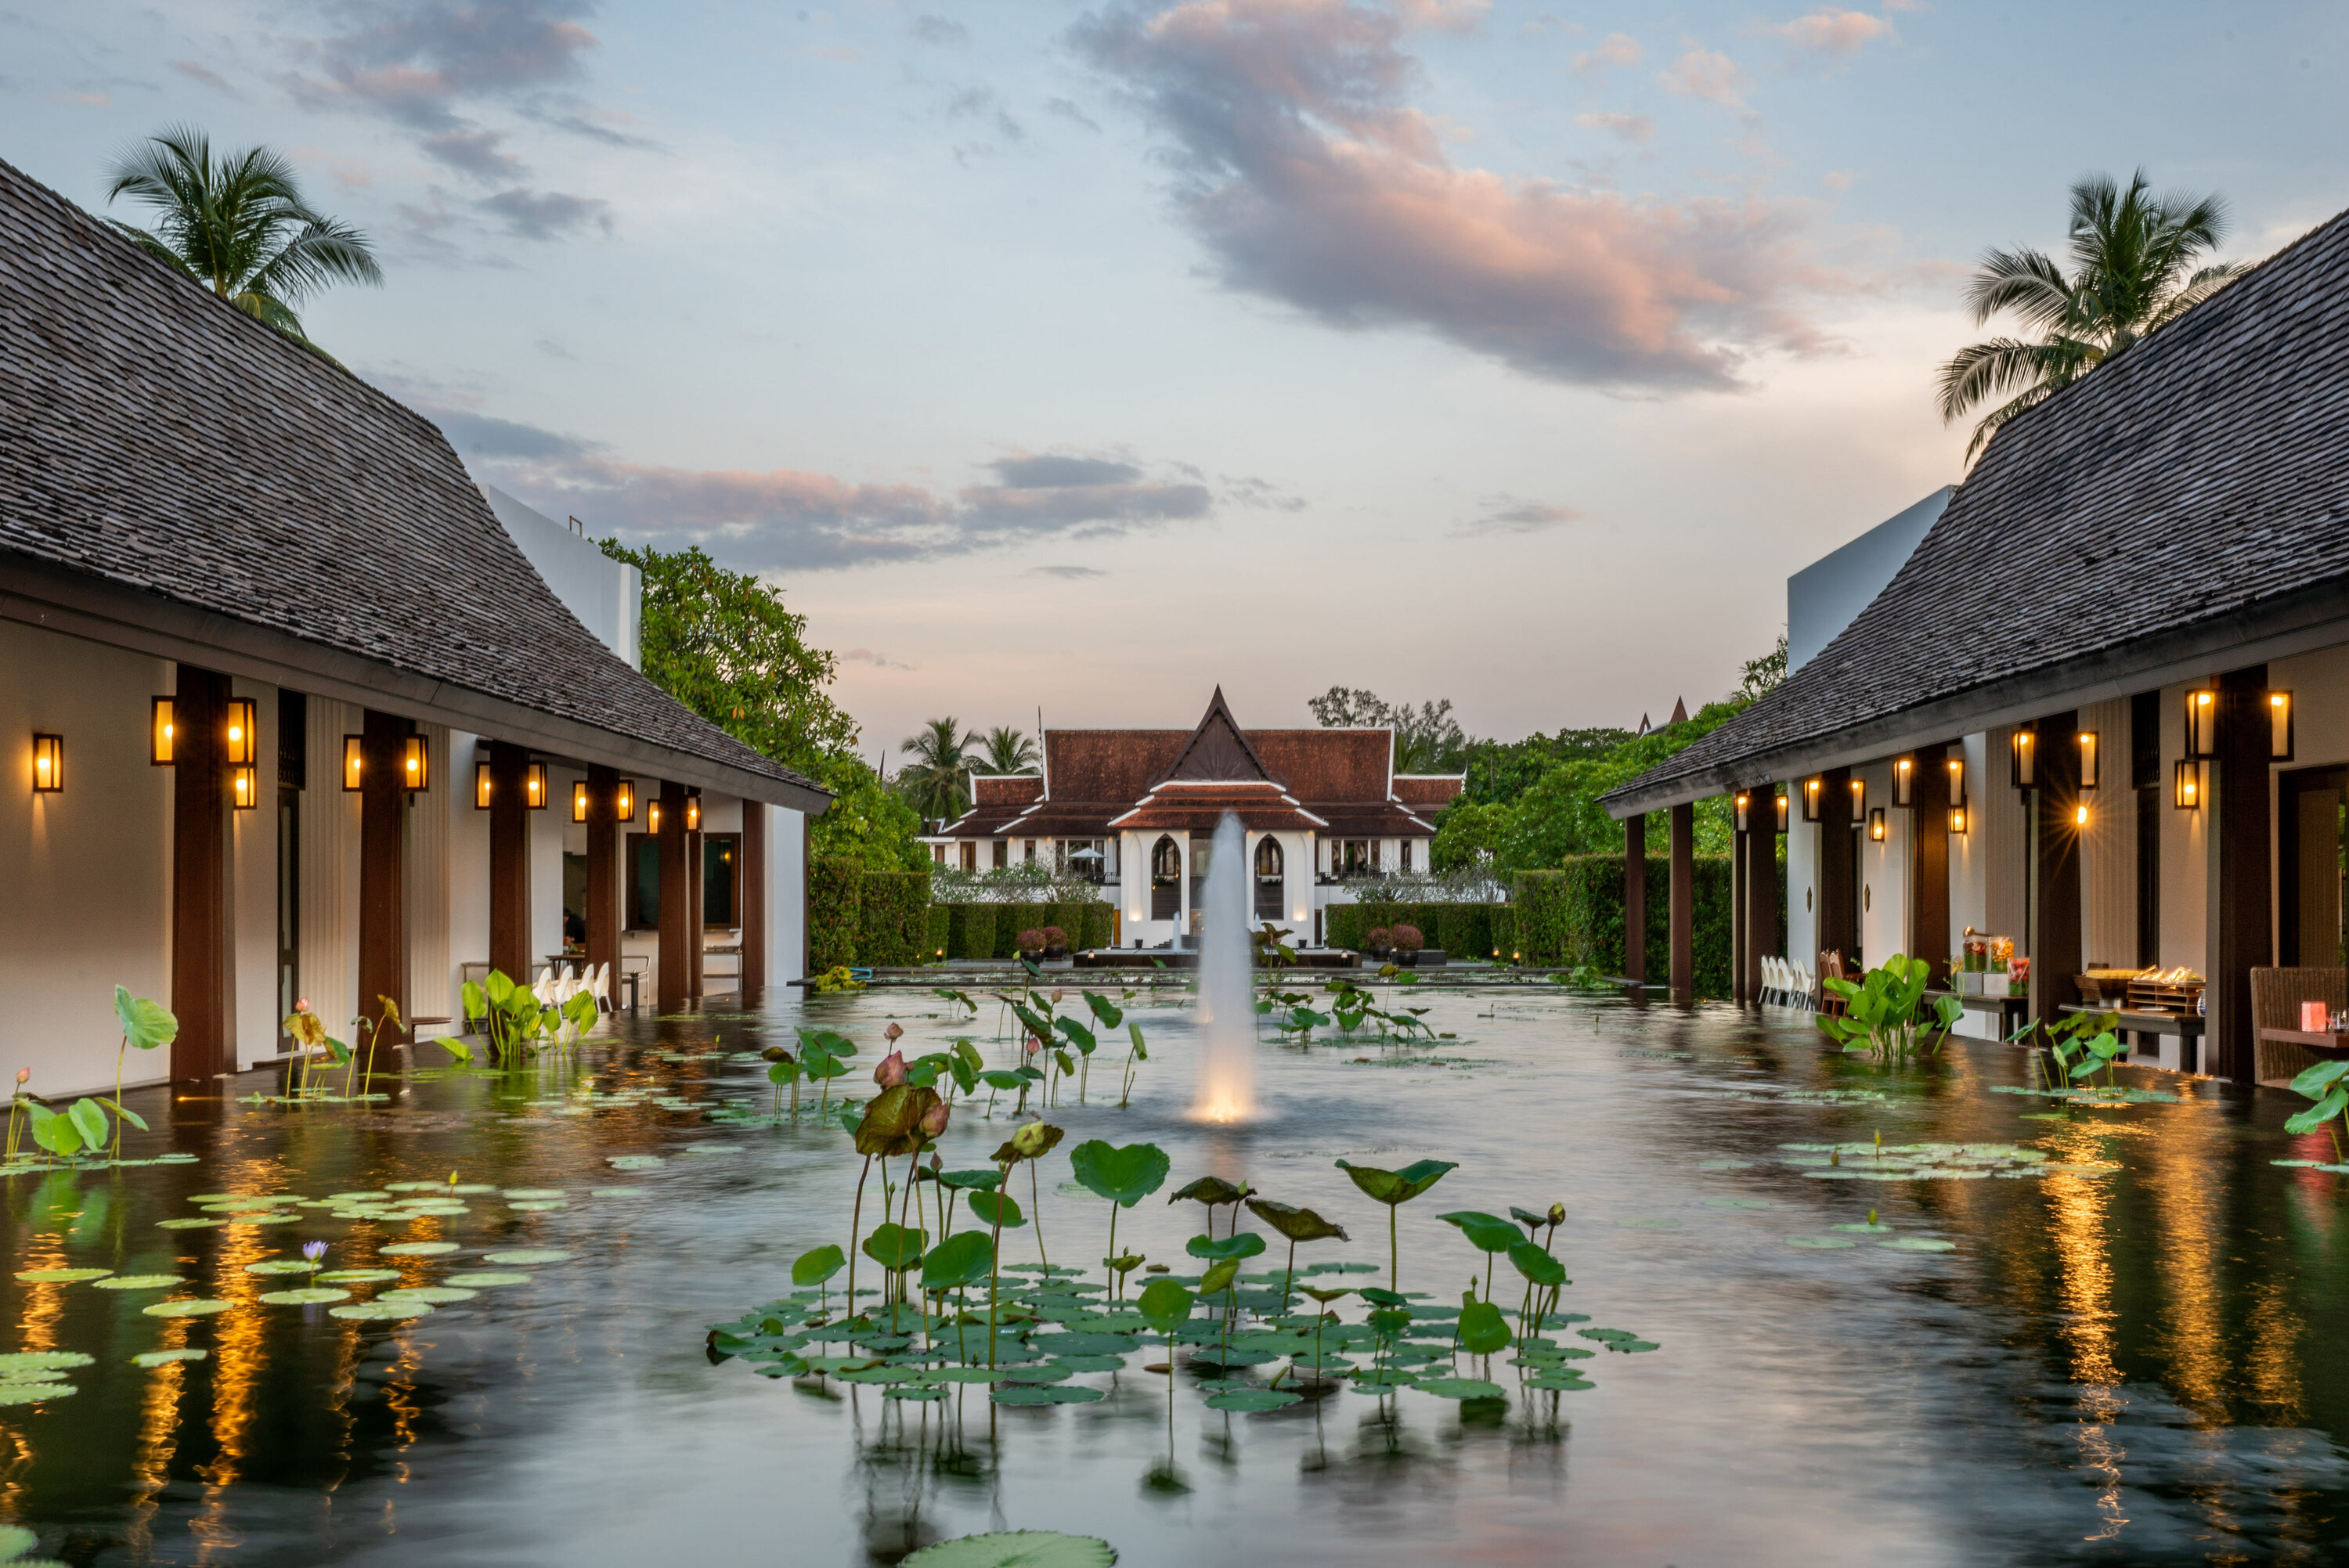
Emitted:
<point x="2184" y="505"/>
<point x="177" y="476"/>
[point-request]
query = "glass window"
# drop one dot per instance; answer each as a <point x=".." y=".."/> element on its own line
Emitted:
<point x="720" y="881"/>
<point x="1002" y="853"/>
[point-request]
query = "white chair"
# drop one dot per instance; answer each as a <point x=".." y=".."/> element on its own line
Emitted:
<point x="599" y="985"/>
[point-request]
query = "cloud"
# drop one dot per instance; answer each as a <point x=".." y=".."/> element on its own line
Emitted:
<point x="1835" y="179"/>
<point x="1832" y="33"/>
<point x="196" y="72"/>
<point x="475" y="151"/>
<point x="412" y="59"/>
<point x="981" y="103"/>
<point x="1614" y="49"/>
<point x="1507" y="514"/>
<point x="1068" y="111"/>
<point x="941" y="33"/>
<point x="1631" y="127"/>
<point x="878" y="661"/>
<point x="1706" y="74"/>
<point x="1310" y="179"/>
<point x="790" y="518"/>
<point x="1066" y="574"/>
<point x="547" y="214"/>
<point x="86" y="101"/>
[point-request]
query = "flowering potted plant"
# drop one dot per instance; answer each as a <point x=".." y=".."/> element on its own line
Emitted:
<point x="1406" y="942"/>
<point x="1376" y="942"/>
<point x="1056" y="942"/>
<point x="1031" y="943"/>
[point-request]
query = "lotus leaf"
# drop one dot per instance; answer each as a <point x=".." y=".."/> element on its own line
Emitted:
<point x="1212" y="1190"/>
<point x="969" y="1181"/>
<point x="1252" y="1399"/>
<point x="1560" y="1382"/>
<point x="1247" y="1244"/>
<point x="199" y="1307"/>
<point x="1218" y="1279"/>
<point x="1164" y="1304"/>
<point x="309" y="1295"/>
<point x="1484" y="1232"/>
<point x="1537" y="1264"/>
<point x="1037" y="1394"/>
<point x="1461" y="1388"/>
<point x="815" y="1266"/>
<point x="1124" y="1176"/>
<point x="61" y="1276"/>
<point x="957" y="1261"/>
<point x="1482" y="1330"/>
<point x="152" y="1358"/>
<point x="997" y="1209"/>
<point x="892" y="1122"/>
<point x="1296" y="1224"/>
<point x="1016" y="1549"/>
<point x="895" y="1247"/>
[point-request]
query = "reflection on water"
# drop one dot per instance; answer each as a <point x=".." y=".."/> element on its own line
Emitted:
<point x="2142" y="1367"/>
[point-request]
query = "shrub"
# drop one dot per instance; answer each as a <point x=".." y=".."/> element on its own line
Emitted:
<point x="1380" y="936"/>
<point x="1406" y="939"/>
<point x="833" y="897"/>
<point x="894" y="919"/>
<point x="1055" y="937"/>
<point x="1068" y="917"/>
<point x="1031" y="941"/>
<point x="941" y="923"/>
<point x="1101" y="924"/>
<point x="1573" y="917"/>
<point x="1014" y="922"/>
<point x="1502" y="923"/>
<point x="970" y="930"/>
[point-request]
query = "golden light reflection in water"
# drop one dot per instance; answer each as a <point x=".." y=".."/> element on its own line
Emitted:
<point x="159" y="1431"/>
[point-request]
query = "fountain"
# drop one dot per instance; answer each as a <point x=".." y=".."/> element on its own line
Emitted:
<point x="1227" y="1090"/>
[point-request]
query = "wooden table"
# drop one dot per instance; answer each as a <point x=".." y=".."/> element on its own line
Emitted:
<point x="2189" y="1029"/>
<point x="2011" y="1010"/>
<point x="2314" y="1040"/>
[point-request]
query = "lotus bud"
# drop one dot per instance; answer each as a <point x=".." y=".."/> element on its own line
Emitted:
<point x="1558" y="1214"/>
<point x="934" y="1123"/>
<point x="893" y="1034"/>
<point x="24" y="1074"/>
<point x="1032" y="1139"/>
<point x="936" y="1165"/>
<point x="1056" y="995"/>
<point x="892" y="1070"/>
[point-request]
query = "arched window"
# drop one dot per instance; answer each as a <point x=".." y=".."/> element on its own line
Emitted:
<point x="1165" y="880"/>
<point x="1267" y="857"/>
<point x="1269" y="863"/>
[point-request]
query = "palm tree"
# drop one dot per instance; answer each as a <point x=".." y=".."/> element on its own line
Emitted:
<point x="2132" y="255"/>
<point x="937" y="780"/>
<point x="239" y="226"/>
<point x="1008" y="751"/>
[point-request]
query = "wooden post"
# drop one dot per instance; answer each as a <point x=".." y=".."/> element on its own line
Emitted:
<point x="603" y="915"/>
<point x="1761" y="887"/>
<point x="1739" y="939"/>
<point x="204" y="971"/>
<point x="383" y="834"/>
<point x="2241" y="912"/>
<point x="1635" y="897"/>
<point x="754" y="898"/>
<point x="1838" y="923"/>
<point x="509" y="860"/>
<point x="1929" y="862"/>
<point x="2056" y="911"/>
<point x="696" y="939"/>
<point x="1683" y="905"/>
<point x="675" y="985"/>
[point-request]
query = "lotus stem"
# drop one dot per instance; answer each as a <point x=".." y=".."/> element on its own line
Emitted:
<point x="855" y="1222"/>
<point x="119" y="1051"/>
<point x="994" y="1272"/>
<point x="1395" y="1255"/>
<point x="1036" y="1197"/>
<point x="1109" y="1268"/>
<point x="1288" y="1278"/>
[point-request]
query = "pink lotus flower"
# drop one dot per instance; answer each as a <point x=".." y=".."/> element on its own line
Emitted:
<point x="934" y="1120"/>
<point x="892" y="1070"/>
<point x="893" y="1034"/>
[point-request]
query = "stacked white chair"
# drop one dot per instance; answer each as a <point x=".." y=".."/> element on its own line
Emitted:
<point x="599" y="984"/>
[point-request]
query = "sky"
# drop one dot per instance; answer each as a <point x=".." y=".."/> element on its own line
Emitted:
<point x="1079" y="358"/>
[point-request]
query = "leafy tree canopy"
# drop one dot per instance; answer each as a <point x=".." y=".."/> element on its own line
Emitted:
<point x="1428" y="739"/>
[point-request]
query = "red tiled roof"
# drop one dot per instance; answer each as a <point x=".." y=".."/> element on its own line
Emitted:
<point x="1376" y="820"/>
<point x="1199" y="808"/>
<point x="1424" y="790"/>
<point x="1109" y="765"/>
<point x="1328" y="764"/>
<point x="1006" y="789"/>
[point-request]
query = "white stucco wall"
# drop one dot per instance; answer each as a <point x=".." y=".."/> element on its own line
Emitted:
<point x="2186" y="846"/>
<point x="1884" y="871"/>
<point x="2108" y="844"/>
<point x="1802" y="891"/>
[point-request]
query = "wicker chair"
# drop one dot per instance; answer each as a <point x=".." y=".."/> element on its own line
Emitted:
<point x="2276" y="997"/>
<point x="1830" y="968"/>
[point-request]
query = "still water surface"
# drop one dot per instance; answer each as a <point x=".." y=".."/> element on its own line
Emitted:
<point x="2139" y="1367"/>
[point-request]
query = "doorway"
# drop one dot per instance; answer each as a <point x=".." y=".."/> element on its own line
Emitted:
<point x="2313" y="854"/>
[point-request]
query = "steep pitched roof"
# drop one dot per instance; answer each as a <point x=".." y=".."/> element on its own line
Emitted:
<point x="175" y="476"/>
<point x="1217" y="751"/>
<point x="2184" y="504"/>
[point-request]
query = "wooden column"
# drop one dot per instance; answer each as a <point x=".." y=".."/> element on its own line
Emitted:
<point x="1683" y="905"/>
<point x="1761" y="888"/>
<point x="2240" y="912"/>
<point x="674" y="984"/>
<point x="509" y="860"/>
<point x="695" y="931"/>
<point x="1635" y="898"/>
<point x="2055" y="893"/>
<point x="1839" y="924"/>
<point x="604" y="873"/>
<point x="382" y="839"/>
<point x="203" y="942"/>
<point x="1740" y="940"/>
<point x="753" y="873"/>
<point x="1929" y="862"/>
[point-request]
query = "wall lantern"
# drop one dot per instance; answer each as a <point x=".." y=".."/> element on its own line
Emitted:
<point x="534" y="786"/>
<point x="2027" y="759"/>
<point x="2089" y="753"/>
<point x="1744" y="801"/>
<point x="1814" y="790"/>
<point x="1957" y="780"/>
<point x="483" y="787"/>
<point x="352" y="759"/>
<point x="624" y="808"/>
<point x="652" y="815"/>
<point x="2202" y="724"/>
<point x="244" y="732"/>
<point x="1957" y="819"/>
<point x="2279" y="727"/>
<point x="415" y="764"/>
<point x="2188" y="795"/>
<point x="1904" y="781"/>
<point x="1860" y="799"/>
<point x="579" y="800"/>
<point x="48" y="763"/>
<point x="2080" y="815"/>
<point x="244" y="786"/>
<point x="1780" y="800"/>
<point x="1876" y="825"/>
<point x="693" y="813"/>
<point x="158" y="731"/>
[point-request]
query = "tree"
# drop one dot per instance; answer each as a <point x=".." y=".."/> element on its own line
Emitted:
<point x="1500" y="771"/>
<point x="2134" y="257"/>
<point x="1758" y="677"/>
<point x="723" y="644"/>
<point x="1427" y="739"/>
<point x="238" y="226"/>
<point x="1009" y="751"/>
<point x="938" y="781"/>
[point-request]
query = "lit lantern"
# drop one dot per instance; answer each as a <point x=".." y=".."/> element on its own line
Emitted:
<point x="353" y="760"/>
<point x="1957" y="780"/>
<point x="2202" y="724"/>
<point x="1957" y="819"/>
<point x="1860" y="799"/>
<point x="483" y="786"/>
<point x="1904" y="781"/>
<point x="244" y="786"/>
<point x="693" y="813"/>
<point x="48" y="765"/>
<point x="1813" y="791"/>
<point x="415" y="764"/>
<point x="1745" y="799"/>
<point x="625" y="809"/>
<point x="652" y="815"/>
<point x="2027" y="759"/>
<point x="158" y="728"/>
<point x="2080" y="815"/>
<point x="1876" y="825"/>
<point x="534" y="783"/>
<point x="2088" y="759"/>
<point x="2187" y="792"/>
<point x="242" y="732"/>
<point x="579" y="800"/>
<point x="2279" y="727"/>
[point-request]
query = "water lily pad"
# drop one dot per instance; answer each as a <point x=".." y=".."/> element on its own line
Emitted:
<point x="61" y="1276"/>
<point x="1918" y="1244"/>
<point x="1031" y="1374"/>
<point x="1461" y="1388"/>
<point x="431" y="1294"/>
<point x="1560" y="1382"/>
<point x="309" y="1295"/>
<point x="33" y="1393"/>
<point x="520" y="1255"/>
<point x="1090" y="1363"/>
<point x="473" y="1187"/>
<point x="136" y="1282"/>
<point x="42" y="1360"/>
<point x="913" y="1391"/>
<point x="355" y="1276"/>
<point x="279" y="1266"/>
<point x="714" y="1149"/>
<point x="1252" y="1399"/>
<point x="196" y="1308"/>
<point x="153" y="1358"/>
<point x="1042" y="1394"/>
<point x="383" y="1310"/>
<point x="538" y="1205"/>
<point x="1086" y="1343"/>
<point x="634" y="1162"/>
<point x="1016" y="1549"/>
<point x="533" y="1192"/>
<point x="1821" y="1244"/>
<point x="481" y="1279"/>
<point x="1864" y="1229"/>
<point x="962" y="1374"/>
<point x="417" y="1249"/>
<point x="188" y="1224"/>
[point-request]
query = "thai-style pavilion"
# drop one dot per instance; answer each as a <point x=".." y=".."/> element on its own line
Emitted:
<point x="292" y="715"/>
<point x="2102" y="709"/>
<point x="1136" y="810"/>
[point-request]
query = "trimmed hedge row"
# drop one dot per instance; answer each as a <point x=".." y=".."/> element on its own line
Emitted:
<point x="1461" y="930"/>
<point x="862" y="917"/>
<point x="991" y="931"/>
<point x="1574" y="916"/>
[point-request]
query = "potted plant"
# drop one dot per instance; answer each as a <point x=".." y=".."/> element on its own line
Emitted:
<point x="1406" y="942"/>
<point x="1375" y="943"/>
<point x="1031" y="943"/>
<point x="1056" y="942"/>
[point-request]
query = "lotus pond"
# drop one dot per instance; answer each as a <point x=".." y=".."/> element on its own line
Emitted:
<point x="1694" y="1289"/>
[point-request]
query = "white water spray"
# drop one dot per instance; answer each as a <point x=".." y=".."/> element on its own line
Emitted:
<point x="1227" y="1086"/>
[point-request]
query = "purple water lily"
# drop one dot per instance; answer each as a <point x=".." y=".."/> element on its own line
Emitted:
<point x="313" y="1251"/>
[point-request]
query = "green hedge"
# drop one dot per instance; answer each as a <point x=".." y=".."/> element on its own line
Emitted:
<point x="1461" y="930"/>
<point x="1574" y="916"/>
<point x="1011" y="919"/>
<point x="970" y="930"/>
<point x="1101" y="924"/>
<point x="940" y="928"/>
<point x="834" y="886"/>
<point x="866" y="918"/>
